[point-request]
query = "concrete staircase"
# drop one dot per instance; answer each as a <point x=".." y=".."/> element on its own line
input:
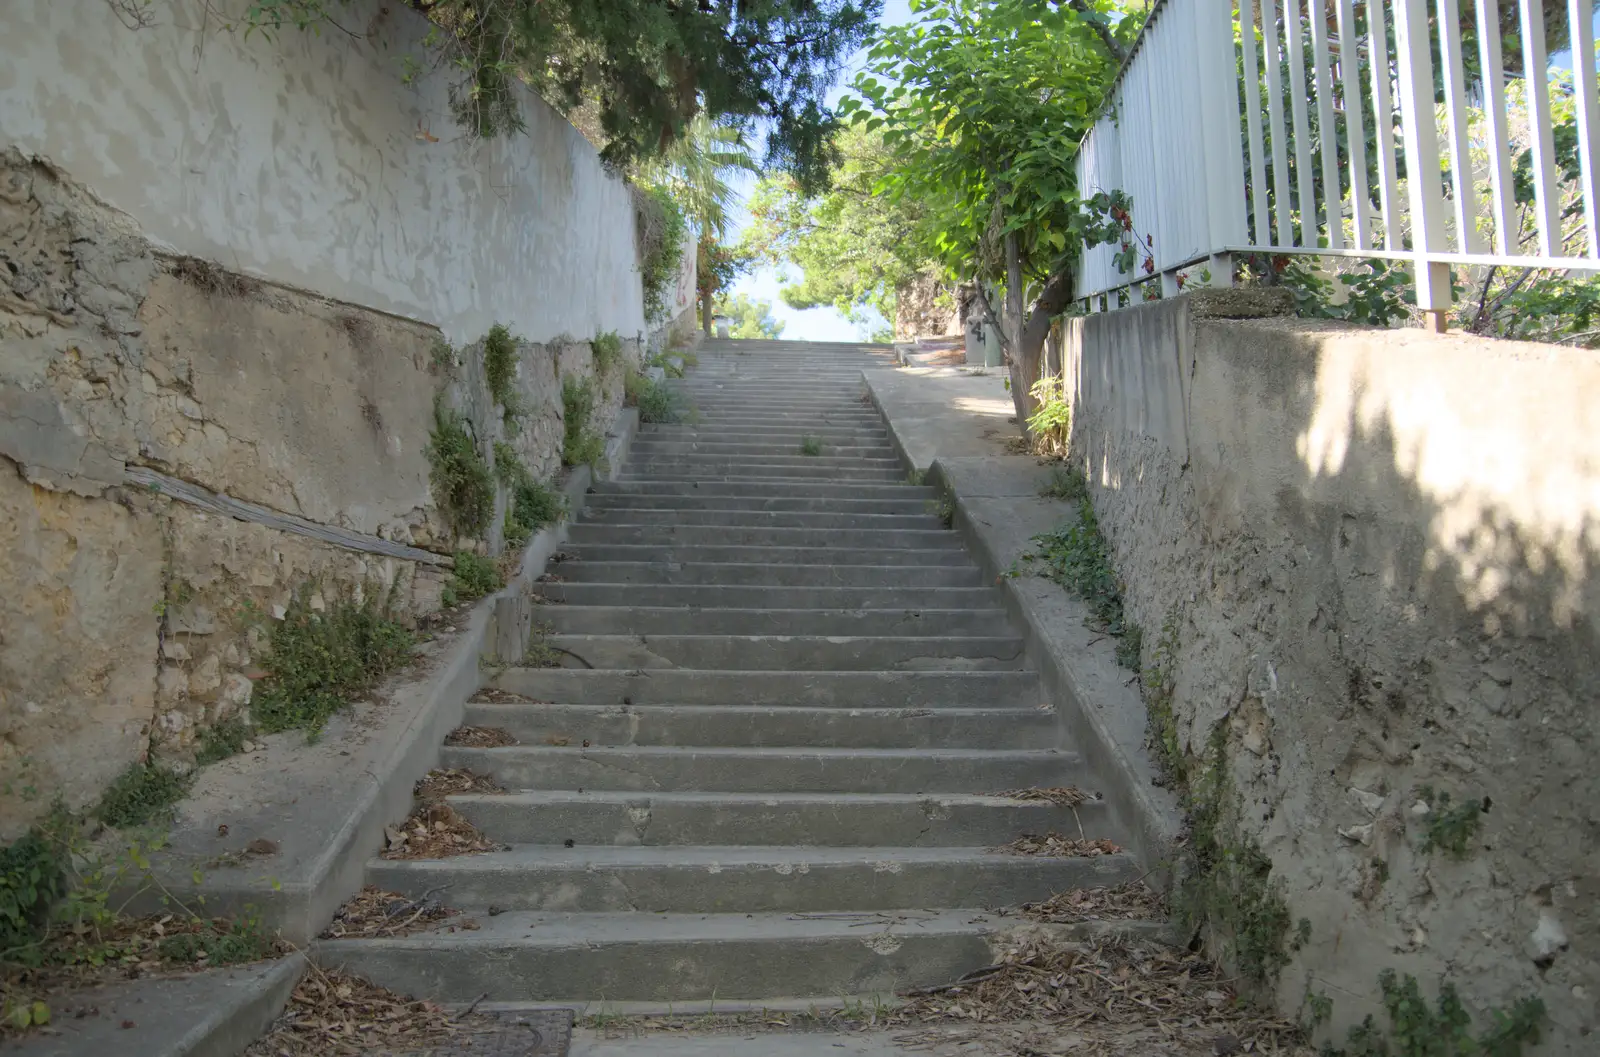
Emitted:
<point x="761" y="775"/>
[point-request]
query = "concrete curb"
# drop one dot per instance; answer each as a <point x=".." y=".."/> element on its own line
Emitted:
<point x="216" y="1013"/>
<point x="1074" y="669"/>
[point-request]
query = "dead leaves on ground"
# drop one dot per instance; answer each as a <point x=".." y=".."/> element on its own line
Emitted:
<point x="442" y="782"/>
<point x="480" y="738"/>
<point x="1054" y="845"/>
<point x="372" y="913"/>
<point x="1133" y="901"/>
<point x="493" y="695"/>
<point x="435" y="831"/>
<point x="333" y="1014"/>
<point x="1111" y="984"/>
<point x="1060" y="796"/>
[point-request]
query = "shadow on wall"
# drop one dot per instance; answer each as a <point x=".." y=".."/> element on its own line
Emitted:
<point x="1372" y="556"/>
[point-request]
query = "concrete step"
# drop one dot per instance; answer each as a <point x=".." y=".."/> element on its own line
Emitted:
<point x="758" y="726"/>
<point x="711" y="597"/>
<point x="599" y="505"/>
<point x="599" y="817"/>
<point x="776" y="770"/>
<point x="590" y="532"/>
<point x="884" y="459"/>
<point x="768" y="433"/>
<point x="672" y="620"/>
<point x="646" y="447"/>
<point x="811" y="469"/>
<point x="762" y="879"/>
<point x="788" y="491"/>
<point x="643" y="515"/>
<point x="801" y="419"/>
<point x="523" y="956"/>
<point x="789" y="653"/>
<point x="776" y="555"/>
<point x="771" y="575"/>
<point x="817" y="689"/>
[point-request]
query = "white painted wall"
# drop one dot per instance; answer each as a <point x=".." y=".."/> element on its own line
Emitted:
<point x="307" y="160"/>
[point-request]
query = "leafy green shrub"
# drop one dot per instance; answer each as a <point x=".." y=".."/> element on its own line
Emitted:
<point x="221" y="740"/>
<point x="442" y="357"/>
<point x="607" y="351"/>
<point x="581" y="444"/>
<point x="500" y="363"/>
<point x="1051" y="421"/>
<point x="534" y="504"/>
<point x="144" y="793"/>
<point x="32" y="878"/>
<point x="458" y="475"/>
<point x="317" y="661"/>
<point x="656" y="403"/>
<point x="810" y="445"/>
<point x="661" y="234"/>
<point x="473" y="578"/>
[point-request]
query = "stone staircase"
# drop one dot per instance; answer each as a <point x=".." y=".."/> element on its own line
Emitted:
<point x="762" y="773"/>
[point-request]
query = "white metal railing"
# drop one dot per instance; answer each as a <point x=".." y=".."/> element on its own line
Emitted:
<point x="1296" y="126"/>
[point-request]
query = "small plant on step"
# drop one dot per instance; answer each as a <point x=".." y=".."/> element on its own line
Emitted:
<point x="810" y="445"/>
<point x="474" y="576"/>
<point x="318" y="659"/>
<point x="944" y="508"/>
<point x="581" y="444"/>
<point x="1076" y="557"/>
<point x="540" y="653"/>
<point x="656" y="403"/>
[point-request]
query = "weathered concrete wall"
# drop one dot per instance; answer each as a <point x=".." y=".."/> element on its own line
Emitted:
<point x="309" y="159"/>
<point x="1373" y="556"/>
<point x="129" y="378"/>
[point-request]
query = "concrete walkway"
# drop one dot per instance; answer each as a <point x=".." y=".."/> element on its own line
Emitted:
<point x="945" y="412"/>
<point x="585" y="1044"/>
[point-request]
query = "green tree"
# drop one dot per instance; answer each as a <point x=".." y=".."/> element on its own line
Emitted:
<point x="854" y="247"/>
<point x="717" y="265"/>
<point x="747" y="318"/>
<point x="645" y="67"/>
<point x="984" y="103"/>
<point x="695" y="171"/>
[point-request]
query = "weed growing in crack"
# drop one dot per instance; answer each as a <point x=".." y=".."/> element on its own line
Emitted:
<point x="540" y="653"/>
<point x="459" y="477"/>
<point x="145" y="793"/>
<point x="318" y="660"/>
<point x="1444" y="1030"/>
<point x="1450" y="829"/>
<point x="810" y="445"/>
<point x="1076" y="557"/>
<point x="221" y="740"/>
<point x="500" y="363"/>
<point x="582" y="444"/>
<point x="442" y="357"/>
<point x="943" y="508"/>
<point x="473" y="577"/>
<point x="1066" y="483"/>
<point x="1161" y="723"/>
<point x="607" y="349"/>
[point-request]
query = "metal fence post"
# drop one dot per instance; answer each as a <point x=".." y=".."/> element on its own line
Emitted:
<point x="1425" y="180"/>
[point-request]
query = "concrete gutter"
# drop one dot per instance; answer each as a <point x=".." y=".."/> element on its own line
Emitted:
<point x="322" y="806"/>
<point x="998" y="511"/>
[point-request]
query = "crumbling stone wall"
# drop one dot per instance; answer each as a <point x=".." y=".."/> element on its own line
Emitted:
<point x="132" y="381"/>
<point x="926" y="307"/>
<point x="1363" y="562"/>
